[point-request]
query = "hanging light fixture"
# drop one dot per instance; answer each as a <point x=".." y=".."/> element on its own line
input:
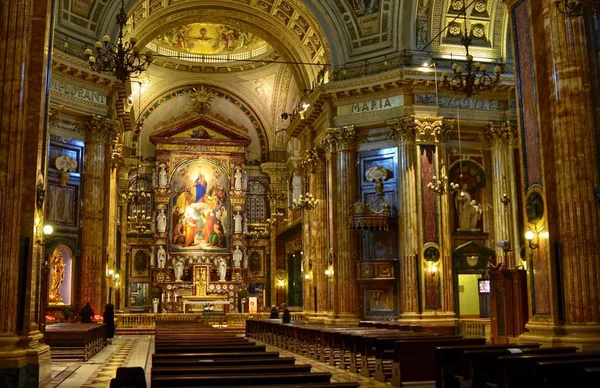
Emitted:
<point x="139" y="199"/>
<point x="576" y="8"/>
<point x="122" y="58"/>
<point x="472" y="77"/>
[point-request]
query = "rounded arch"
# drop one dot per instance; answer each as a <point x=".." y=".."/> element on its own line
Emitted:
<point x="291" y="30"/>
<point x="184" y="89"/>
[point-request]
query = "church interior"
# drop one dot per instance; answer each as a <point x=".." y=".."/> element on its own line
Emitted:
<point x="352" y="163"/>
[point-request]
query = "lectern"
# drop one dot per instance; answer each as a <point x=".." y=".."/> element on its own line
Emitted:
<point x="508" y="302"/>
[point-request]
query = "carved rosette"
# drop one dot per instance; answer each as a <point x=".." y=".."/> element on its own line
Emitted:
<point x="340" y="139"/>
<point x="402" y="130"/>
<point x="502" y="133"/>
<point x="433" y="129"/>
<point x="100" y="129"/>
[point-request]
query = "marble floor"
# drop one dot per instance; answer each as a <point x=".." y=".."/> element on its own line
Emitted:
<point x="132" y="351"/>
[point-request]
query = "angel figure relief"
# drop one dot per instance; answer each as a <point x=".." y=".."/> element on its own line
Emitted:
<point x="65" y="164"/>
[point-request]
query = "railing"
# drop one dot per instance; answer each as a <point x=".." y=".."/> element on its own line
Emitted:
<point x="232" y="320"/>
<point x="475" y="328"/>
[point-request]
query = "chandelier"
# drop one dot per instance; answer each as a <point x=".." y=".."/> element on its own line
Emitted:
<point x="472" y="77"/>
<point x="122" y="58"/>
<point x="307" y="202"/>
<point x="576" y="8"/>
<point x="439" y="184"/>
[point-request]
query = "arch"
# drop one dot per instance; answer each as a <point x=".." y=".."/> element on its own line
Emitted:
<point x="291" y="30"/>
<point x="220" y="91"/>
<point x="60" y="275"/>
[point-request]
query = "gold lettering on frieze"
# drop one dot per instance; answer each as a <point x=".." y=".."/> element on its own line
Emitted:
<point x="77" y="92"/>
<point x="200" y="148"/>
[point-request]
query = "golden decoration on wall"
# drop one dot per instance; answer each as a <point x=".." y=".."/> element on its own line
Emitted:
<point x="57" y="276"/>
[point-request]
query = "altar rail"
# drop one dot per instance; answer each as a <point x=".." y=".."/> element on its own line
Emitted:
<point x="147" y="322"/>
<point x="475" y="328"/>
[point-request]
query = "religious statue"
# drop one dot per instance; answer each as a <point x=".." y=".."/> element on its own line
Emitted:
<point x="162" y="177"/>
<point x="155" y="305"/>
<point x="237" y="182"/>
<point x="161" y="221"/>
<point x="469" y="213"/>
<point x="238" y="223"/>
<point x="222" y="270"/>
<point x="161" y="257"/>
<point x="57" y="268"/>
<point x="296" y="187"/>
<point x="237" y="257"/>
<point x="178" y="267"/>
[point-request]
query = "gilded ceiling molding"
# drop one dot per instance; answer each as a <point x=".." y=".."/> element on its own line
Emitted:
<point x="289" y="28"/>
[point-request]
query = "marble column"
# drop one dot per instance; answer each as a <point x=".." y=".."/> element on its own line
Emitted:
<point x="503" y="138"/>
<point x="319" y="235"/>
<point x="99" y="133"/>
<point x="554" y="88"/>
<point x="341" y="143"/>
<point x="403" y="131"/>
<point x="24" y="361"/>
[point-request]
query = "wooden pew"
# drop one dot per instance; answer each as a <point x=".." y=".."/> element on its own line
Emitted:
<point x="75" y="340"/>
<point x="214" y="348"/>
<point x="414" y="359"/>
<point x="211" y="356"/>
<point x="449" y="360"/>
<point x="565" y="373"/>
<point x="223" y="361"/>
<point x="227" y="370"/>
<point x="520" y="370"/>
<point x="300" y="385"/>
<point x="264" y="379"/>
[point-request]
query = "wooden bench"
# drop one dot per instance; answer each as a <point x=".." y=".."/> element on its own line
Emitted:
<point x="75" y="340"/>
<point x="313" y="385"/>
<point x="213" y="348"/>
<point x="211" y="355"/>
<point x="263" y="379"/>
<point x="449" y="360"/>
<point x="519" y="370"/>
<point x="227" y="370"/>
<point x="224" y="361"/>
<point x="565" y="373"/>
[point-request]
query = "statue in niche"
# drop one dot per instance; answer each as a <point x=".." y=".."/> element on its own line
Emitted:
<point x="161" y="221"/>
<point x="468" y="215"/>
<point x="57" y="267"/>
<point x="237" y="257"/>
<point x="178" y="268"/>
<point x="237" y="223"/>
<point x="162" y="177"/>
<point x="296" y="187"/>
<point x="161" y="257"/>
<point x="222" y="269"/>
<point x="237" y="182"/>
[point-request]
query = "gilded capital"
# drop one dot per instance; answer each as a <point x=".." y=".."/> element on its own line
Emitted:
<point x="311" y="160"/>
<point x="502" y="133"/>
<point x="433" y="129"/>
<point x="402" y="130"/>
<point x="100" y="129"/>
<point x="340" y="139"/>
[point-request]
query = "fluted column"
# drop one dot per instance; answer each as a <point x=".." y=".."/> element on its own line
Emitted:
<point x="503" y="138"/>
<point x="23" y="68"/>
<point x="340" y="142"/>
<point x="319" y="236"/>
<point x="403" y="131"/>
<point x="99" y="133"/>
<point x="560" y="164"/>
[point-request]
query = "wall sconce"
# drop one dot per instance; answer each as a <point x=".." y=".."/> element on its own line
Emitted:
<point x="307" y="276"/>
<point x="280" y="283"/>
<point x="112" y="274"/>
<point x="432" y="268"/>
<point x="329" y="273"/>
<point x="529" y="236"/>
<point x="47" y="230"/>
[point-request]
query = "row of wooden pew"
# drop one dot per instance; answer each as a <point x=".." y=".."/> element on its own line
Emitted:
<point x="75" y="340"/>
<point x="400" y="354"/>
<point x="191" y="354"/>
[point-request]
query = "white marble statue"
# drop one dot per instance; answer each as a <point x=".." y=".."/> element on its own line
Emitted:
<point x="237" y="181"/>
<point x="475" y="214"/>
<point x="222" y="270"/>
<point x="161" y="221"/>
<point x="296" y="187"/>
<point x="162" y="177"/>
<point x="237" y="257"/>
<point x="179" y="264"/>
<point x="469" y="214"/>
<point x="238" y="223"/>
<point x="161" y="257"/>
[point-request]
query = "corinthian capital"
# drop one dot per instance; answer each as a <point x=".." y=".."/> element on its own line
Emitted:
<point x="433" y="129"/>
<point x="340" y="139"/>
<point x="312" y="159"/>
<point x="100" y="129"/>
<point x="402" y="130"/>
<point x="502" y="133"/>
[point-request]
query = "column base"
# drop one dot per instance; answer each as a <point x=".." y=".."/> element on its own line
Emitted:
<point x="25" y="366"/>
<point x="438" y="318"/>
<point x="318" y="317"/>
<point x="342" y="319"/>
<point x="585" y="337"/>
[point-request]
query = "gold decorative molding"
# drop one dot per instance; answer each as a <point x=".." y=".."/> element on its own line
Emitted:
<point x="312" y="159"/>
<point x="402" y="130"/>
<point x="433" y="129"/>
<point x="100" y="129"/>
<point x="502" y="133"/>
<point x="340" y="139"/>
<point x="199" y="148"/>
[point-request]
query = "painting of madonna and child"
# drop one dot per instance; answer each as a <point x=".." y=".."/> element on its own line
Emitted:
<point x="200" y="207"/>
